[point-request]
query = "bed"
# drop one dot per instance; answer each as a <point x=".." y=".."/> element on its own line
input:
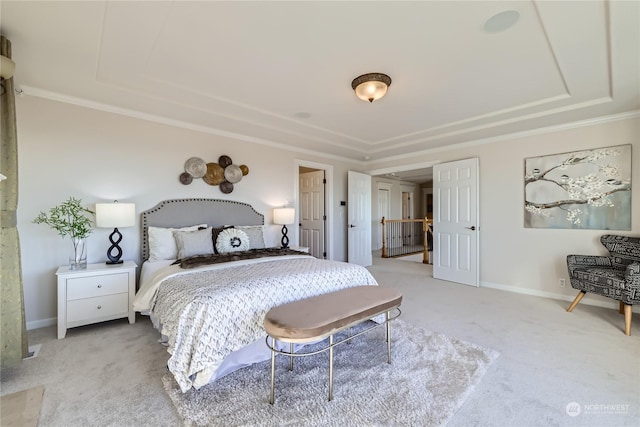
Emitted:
<point x="208" y="299"/>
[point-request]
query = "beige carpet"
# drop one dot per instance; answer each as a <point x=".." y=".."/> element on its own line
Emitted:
<point x="110" y="374"/>
<point x="21" y="409"/>
<point x="429" y="379"/>
<point x="411" y="258"/>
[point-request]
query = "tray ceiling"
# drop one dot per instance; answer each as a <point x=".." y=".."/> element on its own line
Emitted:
<point x="279" y="73"/>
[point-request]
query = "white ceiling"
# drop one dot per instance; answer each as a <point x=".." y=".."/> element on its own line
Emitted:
<point x="280" y="73"/>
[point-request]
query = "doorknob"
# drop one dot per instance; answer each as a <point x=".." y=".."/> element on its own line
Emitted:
<point x="472" y="228"/>
<point x="351" y="226"/>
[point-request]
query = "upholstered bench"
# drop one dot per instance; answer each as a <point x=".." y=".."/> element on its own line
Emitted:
<point x="322" y="316"/>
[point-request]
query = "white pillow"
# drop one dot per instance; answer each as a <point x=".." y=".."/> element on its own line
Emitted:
<point x="232" y="240"/>
<point x="190" y="243"/>
<point x="255" y="234"/>
<point x="162" y="244"/>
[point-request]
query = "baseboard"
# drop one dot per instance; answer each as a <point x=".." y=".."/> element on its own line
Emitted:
<point x="42" y="323"/>
<point x="597" y="302"/>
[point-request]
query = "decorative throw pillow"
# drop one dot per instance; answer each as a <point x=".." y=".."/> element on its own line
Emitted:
<point x="232" y="240"/>
<point x="162" y="244"/>
<point x="190" y="243"/>
<point x="255" y="234"/>
<point x="214" y="235"/>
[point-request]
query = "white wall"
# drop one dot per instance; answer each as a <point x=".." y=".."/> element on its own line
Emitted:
<point x="66" y="150"/>
<point x="525" y="259"/>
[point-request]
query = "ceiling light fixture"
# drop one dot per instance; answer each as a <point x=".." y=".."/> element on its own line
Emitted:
<point x="371" y="87"/>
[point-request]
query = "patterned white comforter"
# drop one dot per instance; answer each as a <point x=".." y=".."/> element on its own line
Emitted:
<point x="210" y="312"/>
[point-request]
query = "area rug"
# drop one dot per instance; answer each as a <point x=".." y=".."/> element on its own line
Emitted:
<point x="430" y="377"/>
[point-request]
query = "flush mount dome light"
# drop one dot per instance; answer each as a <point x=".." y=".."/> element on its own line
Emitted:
<point x="371" y="87"/>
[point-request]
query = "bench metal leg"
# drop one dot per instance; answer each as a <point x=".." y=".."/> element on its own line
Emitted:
<point x="388" y="338"/>
<point x="291" y="357"/>
<point x="273" y="371"/>
<point x="330" y="367"/>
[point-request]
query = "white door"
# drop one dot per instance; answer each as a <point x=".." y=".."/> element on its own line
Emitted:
<point x="359" y="219"/>
<point x="455" y="222"/>
<point x="312" y="212"/>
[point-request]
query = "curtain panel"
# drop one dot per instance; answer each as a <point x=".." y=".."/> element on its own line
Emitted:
<point x="13" y="332"/>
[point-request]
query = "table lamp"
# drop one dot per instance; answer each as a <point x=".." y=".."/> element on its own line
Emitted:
<point x="115" y="215"/>
<point x="284" y="216"/>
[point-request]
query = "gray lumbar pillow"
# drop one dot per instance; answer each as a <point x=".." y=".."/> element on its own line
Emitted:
<point x="190" y="243"/>
<point x="256" y="236"/>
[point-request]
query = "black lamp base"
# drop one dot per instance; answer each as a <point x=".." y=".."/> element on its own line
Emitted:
<point x="114" y="257"/>
<point x="285" y="239"/>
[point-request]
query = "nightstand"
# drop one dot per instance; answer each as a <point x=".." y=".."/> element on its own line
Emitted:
<point x="98" y="293"/>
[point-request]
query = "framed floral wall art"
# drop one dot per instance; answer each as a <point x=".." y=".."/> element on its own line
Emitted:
<point x="588" y="189"/>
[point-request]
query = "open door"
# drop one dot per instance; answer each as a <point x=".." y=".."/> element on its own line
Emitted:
<point x="312" y="216"/>
<point x="359" y="219"/>
<point x="455" y="222"/>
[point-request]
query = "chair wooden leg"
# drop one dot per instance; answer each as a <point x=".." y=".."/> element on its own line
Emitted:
<point x="621" y="309"/>
<point x="576" y="301"/>
<point x="627" y="319"/>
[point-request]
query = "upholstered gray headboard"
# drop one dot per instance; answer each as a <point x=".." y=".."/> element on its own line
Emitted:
<point x="184" y="212"/>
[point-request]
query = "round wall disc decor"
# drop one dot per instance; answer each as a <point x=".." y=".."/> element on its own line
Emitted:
<point x="244" y="169"/>
<point x="196" y="167"/>
<point x="186" y="178"/>
<point x="224" y="161"/>
<point x="226" y="187"/>
<point x="233" y="174"/>
<point x="214" y="175"/>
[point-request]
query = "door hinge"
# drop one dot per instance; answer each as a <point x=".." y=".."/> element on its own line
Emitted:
<point x="324" y="254"/>
<point x="324" y="180"/>
<point x="324" y="217"/>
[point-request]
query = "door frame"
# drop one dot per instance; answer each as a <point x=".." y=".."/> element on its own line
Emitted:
<point x="401" y="168"/>
<point x="328" y="200"/>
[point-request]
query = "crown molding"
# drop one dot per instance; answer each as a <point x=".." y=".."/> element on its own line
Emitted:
<point x="516" y="135"/>
<point x="82" y="102"/>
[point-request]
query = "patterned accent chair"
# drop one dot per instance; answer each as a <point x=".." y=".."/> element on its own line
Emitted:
<point x="616" y="276"/>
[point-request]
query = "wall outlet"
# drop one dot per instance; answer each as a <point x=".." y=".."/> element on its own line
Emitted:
<point x="562" y="283"/>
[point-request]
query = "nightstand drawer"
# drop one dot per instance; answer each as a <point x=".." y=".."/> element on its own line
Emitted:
<point x="98" y="307"/>
<point x="95" y="286"/>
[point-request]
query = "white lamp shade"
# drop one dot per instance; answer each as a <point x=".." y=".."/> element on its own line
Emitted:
<point x="284" y="216"/>
<point x="114" y="215"/>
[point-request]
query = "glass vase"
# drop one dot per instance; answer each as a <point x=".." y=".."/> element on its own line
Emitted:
<point x="78" y="255"/>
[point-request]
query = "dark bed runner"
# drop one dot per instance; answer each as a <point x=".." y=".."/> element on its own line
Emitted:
<point x="200" y="260"/>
